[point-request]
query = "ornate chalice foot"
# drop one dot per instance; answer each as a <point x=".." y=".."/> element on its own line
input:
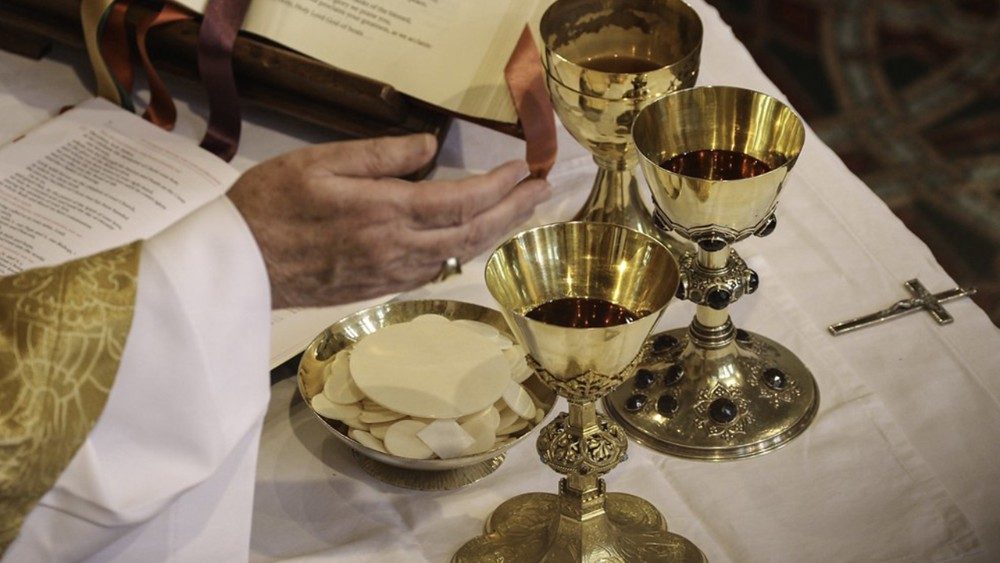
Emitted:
<point x="583" y="523"/>
<point x="715" y="159"/>
<point x="752" y="396"/>
<point x="604" y="61"/>
<point x="581" y="347"/>
<point x="531" y="527"/>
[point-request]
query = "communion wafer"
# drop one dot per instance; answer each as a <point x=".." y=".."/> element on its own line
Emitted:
<point x="483" y="433"/>
<point x="463" y="419"/>
<point x="518" y="400"/>
<point x="366" y="439"/>
<point x="507" y="417"/>
<point x="486" y="330"/>
<point x="519" y="368"/>
<point x="516" y="426"/>
<point x="446" y="438"/>
<point x="325" y="407"/>
<point x="482" y="329"/>
<point x="339" y="386"/>
<point x="478" y="431"/>
<point x="447" y="372"/>
<point x="490" y="417"/>
<point x="379" y="429"/>
<point x="431" y="318"/>
<point x="376" y="416"/>
<point x="355" y="423"/>
<point x="401" y="439"/>
<point x="370" y="405"/>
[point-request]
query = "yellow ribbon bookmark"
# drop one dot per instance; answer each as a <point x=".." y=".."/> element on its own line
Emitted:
<point x="92" y="15"/>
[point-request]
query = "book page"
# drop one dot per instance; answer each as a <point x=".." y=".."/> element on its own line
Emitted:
<point x="293" y="329"/>
<point x="449" y="53"/>
<point x="94" y="178"/>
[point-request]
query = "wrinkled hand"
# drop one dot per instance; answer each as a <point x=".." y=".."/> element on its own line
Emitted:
<point x="334" y="225"/>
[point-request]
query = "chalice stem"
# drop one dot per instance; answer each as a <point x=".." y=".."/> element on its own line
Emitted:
<point x="583" y="422"/>
<point x="712" y="328"/>
<point x="615" y="198"/>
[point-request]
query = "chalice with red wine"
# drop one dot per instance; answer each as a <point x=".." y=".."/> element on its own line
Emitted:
<point x="581" y="298"/>
<point x="604" y="61"/>
<point x="715" y="159"/>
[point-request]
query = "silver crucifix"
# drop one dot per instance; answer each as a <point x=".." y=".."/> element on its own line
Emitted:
<point x="922" y="300"/>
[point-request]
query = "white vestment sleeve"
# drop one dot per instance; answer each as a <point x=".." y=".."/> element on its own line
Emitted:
<point x="168" y="471"/>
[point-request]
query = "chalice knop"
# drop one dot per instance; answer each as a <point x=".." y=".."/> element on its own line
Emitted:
<point x="581" y="298"/>
<point x="715" y="159"/>
<point x="604" y="61"/>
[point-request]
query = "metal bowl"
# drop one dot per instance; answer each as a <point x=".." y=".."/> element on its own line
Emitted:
<point x="421" y="474"/>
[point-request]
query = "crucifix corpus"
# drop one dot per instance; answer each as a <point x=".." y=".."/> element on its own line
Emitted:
<point x="921" y="300"/>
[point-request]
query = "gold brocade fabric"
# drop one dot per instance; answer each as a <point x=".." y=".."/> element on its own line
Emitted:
<point x="62" y="332"/>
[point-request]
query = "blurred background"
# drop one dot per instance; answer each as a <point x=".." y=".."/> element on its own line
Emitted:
<point x="906" y="92"/>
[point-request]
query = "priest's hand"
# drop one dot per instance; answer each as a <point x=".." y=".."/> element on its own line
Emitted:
<point x="335" y="226"/>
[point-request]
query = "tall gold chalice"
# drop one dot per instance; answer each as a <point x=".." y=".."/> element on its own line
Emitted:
<point x="715" y="159"/>
<point x="582" y="299"/>
<point x="604" y="61"/>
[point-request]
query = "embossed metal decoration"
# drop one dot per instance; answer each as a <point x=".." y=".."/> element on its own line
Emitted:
<point x="604" y="61"/>
<point x="567" y="451"/>
<point x="583" y="523"/>
<point x="582" y="387"/>
<point x="716" y="286"/>
<point x="716" y="392"/>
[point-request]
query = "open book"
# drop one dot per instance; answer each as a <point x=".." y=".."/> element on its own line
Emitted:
<point x="448" y="53"/>
<point x="97" y="177"/>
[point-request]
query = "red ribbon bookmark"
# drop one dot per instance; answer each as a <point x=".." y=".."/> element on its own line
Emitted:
<point x="526" y="81"/>
<point x="219" y="28"/>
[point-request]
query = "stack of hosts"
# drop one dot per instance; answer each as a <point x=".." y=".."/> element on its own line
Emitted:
<point x="119" y="435"/>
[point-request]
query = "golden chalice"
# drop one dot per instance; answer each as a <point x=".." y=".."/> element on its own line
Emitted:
<point x="581" y="298"/>
<point x="715" y="159"/>
<point x="604" y="61"/>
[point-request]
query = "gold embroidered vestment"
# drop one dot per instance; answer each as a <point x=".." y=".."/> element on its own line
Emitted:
<point x="62" y="332"/>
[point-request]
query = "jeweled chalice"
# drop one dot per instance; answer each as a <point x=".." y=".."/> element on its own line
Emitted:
<point x="604" y="61"/>
<point x="582" y="299"/>
<point x="715" y="159"/>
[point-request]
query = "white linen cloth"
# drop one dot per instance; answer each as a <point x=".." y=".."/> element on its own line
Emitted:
<point x="899" y="465"/>
<point x="851" y="488"/>
<point x="167" y="472"/>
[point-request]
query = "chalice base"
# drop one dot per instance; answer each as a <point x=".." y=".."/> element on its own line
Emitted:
<point x="744" y="399"/>
<point x="530" y="528"/>
<point x="426" y="480"/>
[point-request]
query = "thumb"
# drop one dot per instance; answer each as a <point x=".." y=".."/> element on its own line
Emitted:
<point x="377" y="157"/>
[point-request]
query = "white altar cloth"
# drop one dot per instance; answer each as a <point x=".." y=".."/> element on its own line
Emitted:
<point x="901" y="462"/>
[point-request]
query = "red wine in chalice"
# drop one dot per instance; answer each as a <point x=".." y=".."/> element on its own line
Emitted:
<point x="581" y="312"/>
<point x="619" y="64"/>
<point x="716" y="164"/>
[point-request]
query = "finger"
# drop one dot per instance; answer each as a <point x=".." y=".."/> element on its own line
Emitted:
<point x="437" y="204"/>
<point x="375" y="158"/>
<point x="315" y="283"/>
<point x="337" y="253"/>
<point x="481" y="233"/>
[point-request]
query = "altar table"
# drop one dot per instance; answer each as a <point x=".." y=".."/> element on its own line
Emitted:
<point x="902" y="462"/>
